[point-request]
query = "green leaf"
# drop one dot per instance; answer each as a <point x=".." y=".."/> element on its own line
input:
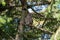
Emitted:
<point x="2" y="20"/>
<point x="3" y="3"/>
<point x="9" y="19"/>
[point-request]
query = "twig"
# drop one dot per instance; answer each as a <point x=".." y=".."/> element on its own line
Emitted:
<point x="43" y="30"/>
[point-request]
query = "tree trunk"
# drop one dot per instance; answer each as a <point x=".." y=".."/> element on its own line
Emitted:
<point x="19" y="35"/>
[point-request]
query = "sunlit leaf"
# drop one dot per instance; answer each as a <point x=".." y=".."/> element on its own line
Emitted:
<point x="2" y="20"/>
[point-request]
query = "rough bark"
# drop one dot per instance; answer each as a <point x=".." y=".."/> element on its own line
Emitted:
<point x="19" y="36"/>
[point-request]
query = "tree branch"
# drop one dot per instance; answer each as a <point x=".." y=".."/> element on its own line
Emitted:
<point x="43" y="30"/>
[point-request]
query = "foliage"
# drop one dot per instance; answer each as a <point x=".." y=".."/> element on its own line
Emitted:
<point x="10" y="19"/>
